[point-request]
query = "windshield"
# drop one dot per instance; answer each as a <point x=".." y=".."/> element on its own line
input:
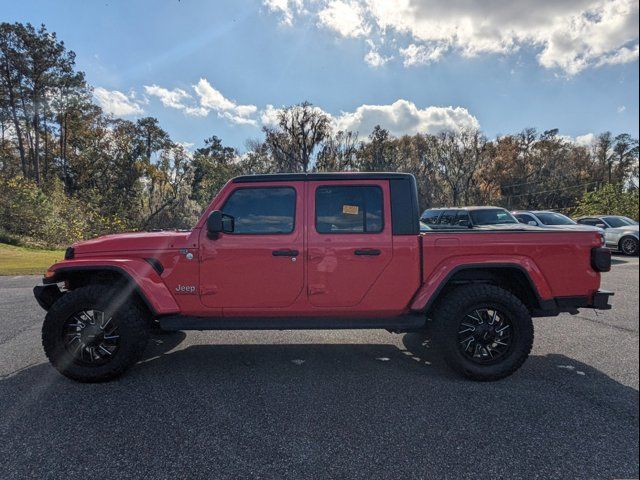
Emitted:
<point x="553" y="218"/>
<point x="494" y="216"/>
<point x="617" y="222"/>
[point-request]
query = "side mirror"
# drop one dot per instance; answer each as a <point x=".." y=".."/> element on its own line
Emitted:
<point x="601" y="225"/>
<point x="219" y="222"/>
<point x="533" y="223"/>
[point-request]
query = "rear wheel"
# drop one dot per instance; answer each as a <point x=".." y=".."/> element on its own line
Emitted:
<point x="92" y="334"/>
<point x="484" y="332"/>
<point x="629" y="246"/>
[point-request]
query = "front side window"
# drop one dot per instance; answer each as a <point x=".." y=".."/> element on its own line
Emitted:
<point x="589" y="221"/>
<point x="524" y="218"/>
<point x="448" y="218"/>
<point x="264" y="210"/>
<point x="430" y="217"/>
<point x="349" y="209"/>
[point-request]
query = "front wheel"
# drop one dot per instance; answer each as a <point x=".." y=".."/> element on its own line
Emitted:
<point x="629" y="246"/>
<point x="93" y="334"/>
<point x="484" y="332"/>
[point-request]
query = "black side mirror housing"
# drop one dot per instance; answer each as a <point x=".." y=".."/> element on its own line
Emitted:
<point x="218" y="222"/>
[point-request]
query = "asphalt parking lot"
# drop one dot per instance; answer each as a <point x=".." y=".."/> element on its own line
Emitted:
<point x="335" y="404"/>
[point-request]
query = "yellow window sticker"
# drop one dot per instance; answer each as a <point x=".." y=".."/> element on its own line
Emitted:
<point x="350" y="209"/>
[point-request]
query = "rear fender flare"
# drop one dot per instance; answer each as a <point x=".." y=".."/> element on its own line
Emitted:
<point x="436" y="283"/>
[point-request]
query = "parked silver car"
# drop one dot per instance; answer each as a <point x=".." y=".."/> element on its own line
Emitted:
<point x="550" y="219"/>
<point x="621" y="233"/>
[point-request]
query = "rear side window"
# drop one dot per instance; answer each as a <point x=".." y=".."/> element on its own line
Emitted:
<point x="262" y="210"/>
<point x="349" y="209"/>
<point x="430" y="217"/>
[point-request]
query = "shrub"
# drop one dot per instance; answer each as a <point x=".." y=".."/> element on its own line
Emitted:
<point x="611" y="199"/>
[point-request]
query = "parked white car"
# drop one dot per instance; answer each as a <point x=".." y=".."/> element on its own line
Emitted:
<point x="621" y="233"/>
<point x="549" y="219"/>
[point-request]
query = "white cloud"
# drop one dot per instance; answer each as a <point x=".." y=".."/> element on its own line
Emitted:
<point x="373" y="57"/>
<point x="401" y="118"/>
<point x="114" y="102"/>
<point x="286" y="8"/>
<point x="404" y="117"/>
<point x="421" y="54"/>
<point x="269" y="116"/>
<point x="621" y="109"/>
<point x="196" y="111"/>
<point x="212" y="99"/>
<point x="170" y="98"/>
<point x="585" y="140"/>
<point x="346" y="18"/>
<point x="208" y="99"/>
<point x="568" y="35"/>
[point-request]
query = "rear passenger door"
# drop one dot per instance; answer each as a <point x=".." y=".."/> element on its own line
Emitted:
<point x="349" y="240"/>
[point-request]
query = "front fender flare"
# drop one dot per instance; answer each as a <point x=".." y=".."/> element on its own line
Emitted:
<point x="145" y="279"/>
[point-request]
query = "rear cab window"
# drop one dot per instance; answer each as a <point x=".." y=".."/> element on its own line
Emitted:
<point x="349" y="209"/>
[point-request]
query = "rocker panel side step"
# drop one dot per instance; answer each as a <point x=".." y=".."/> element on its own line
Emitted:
<point x="179" y="322"/>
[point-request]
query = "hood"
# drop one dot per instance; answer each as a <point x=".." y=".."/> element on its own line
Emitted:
<point x="131" y="242"/>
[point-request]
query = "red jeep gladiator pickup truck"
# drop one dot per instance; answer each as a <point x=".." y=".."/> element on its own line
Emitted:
<point x="318" y="251"/>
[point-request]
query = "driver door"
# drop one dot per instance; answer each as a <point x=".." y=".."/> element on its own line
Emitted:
<point x="260" y="264"/>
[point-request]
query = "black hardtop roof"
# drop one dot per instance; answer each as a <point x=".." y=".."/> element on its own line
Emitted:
<point x="310" y="177"/>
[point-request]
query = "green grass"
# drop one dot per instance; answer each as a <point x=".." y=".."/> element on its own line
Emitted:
<point x="26" y="261"/>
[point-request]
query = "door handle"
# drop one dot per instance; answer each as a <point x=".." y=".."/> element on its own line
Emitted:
<point x="372" y="252"/>
<point x="285" y="253"/>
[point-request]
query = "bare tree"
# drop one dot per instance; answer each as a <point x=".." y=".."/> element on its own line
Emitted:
<point x="301" y="129"/>
<point x="338" y="153"/>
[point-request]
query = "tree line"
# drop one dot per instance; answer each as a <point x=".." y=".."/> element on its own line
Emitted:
<point x="69" y="171"/>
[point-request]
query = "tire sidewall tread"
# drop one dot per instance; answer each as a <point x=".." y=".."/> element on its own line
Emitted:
<point x="133" y="331"/>
<point x="456" y="304"/>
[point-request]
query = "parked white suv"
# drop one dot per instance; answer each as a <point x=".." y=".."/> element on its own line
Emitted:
<point x="621" y="233"/>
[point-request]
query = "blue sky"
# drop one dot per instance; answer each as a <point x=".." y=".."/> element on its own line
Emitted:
<point x="224" y="67"/>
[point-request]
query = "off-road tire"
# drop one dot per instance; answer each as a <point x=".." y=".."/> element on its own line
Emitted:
<point x="133" y="330"/>
<point x="629" y="246"/>
<point x="453" y="308"/>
